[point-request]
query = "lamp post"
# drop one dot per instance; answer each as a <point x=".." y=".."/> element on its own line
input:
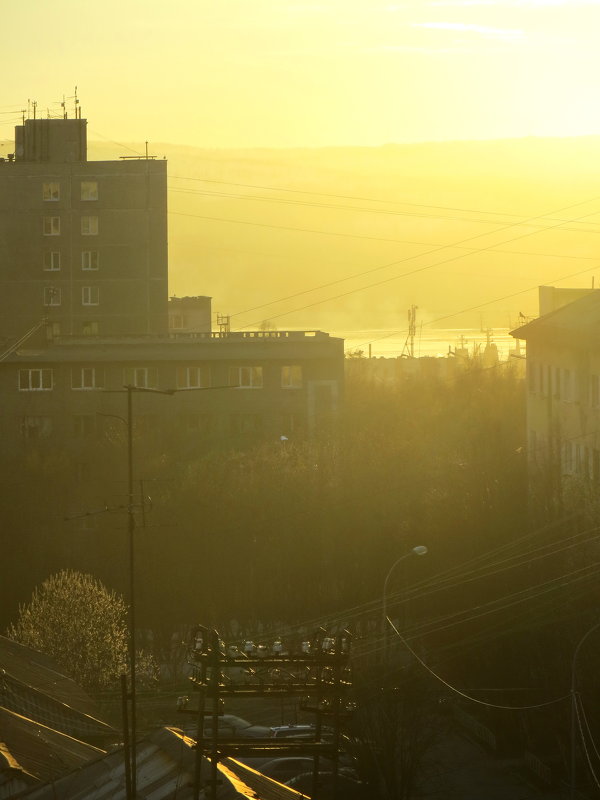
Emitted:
<point x="130" y="389"/>
<point x="574" y="706"/>
<point x="419" y="550"/>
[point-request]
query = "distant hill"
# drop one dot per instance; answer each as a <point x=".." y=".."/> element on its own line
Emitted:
<point x="362" y="208"/>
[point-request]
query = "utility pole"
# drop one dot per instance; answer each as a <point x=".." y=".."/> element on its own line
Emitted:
<point x="131" y="531"/>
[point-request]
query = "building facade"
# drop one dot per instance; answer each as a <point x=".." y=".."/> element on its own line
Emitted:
<point x="82" y="243"/>
<point x="563" y="390"/>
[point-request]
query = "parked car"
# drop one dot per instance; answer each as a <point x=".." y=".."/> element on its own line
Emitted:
<point x="348" y="786"/>
<point x="231" y="727"/>
<point x="293" y="732"/>
<point x="282" y="769"/>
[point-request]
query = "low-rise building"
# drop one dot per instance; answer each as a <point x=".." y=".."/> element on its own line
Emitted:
<point x="563" y="390"/>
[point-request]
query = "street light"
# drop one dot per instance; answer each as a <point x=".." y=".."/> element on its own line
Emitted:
<point x="130" y="389"/>
<point x="574" y="705"/>
<point x="419" y="550"/>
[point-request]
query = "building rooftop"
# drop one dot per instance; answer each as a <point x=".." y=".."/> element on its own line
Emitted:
<point x="575" y="321"/>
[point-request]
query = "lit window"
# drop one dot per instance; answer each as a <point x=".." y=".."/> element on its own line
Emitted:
<point x="89" y="226"/>
<point x="89" y="190"/>
<point x="90" y="295"/>
<point x="291" y="377"/>
<point x="35" y="380"/>
<point x="51" y="226"/>
<point x="36" y="427"/>
<point x="52" y="296"/>
<point x="51" y="260"/>
<point x="90" y="259"/>
<point x="246" y="377"/>
<point x="51" y="191"/>
<point x="140" y="377"/>
<point x="87" y="378"/>
<point x="193" y="377"/>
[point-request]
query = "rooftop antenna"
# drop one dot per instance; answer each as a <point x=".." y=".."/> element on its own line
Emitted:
<point x="63" y="105"/>
<point x="23" y="110"/>
<point x="34" y="104"/>
<point x="146" y="151"/>
<point x="77" y="112"/>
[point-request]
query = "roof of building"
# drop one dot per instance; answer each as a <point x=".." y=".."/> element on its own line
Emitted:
<point x="184" y="345"/>
<point x="40" y="672"/>
<point x="165" y="768"/>
<point x="38" y="751"/>
<point x="32" y="685"/>
<point x="577" y="320"/>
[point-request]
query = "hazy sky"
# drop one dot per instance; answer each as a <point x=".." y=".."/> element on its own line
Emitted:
<point x="223" y="73"/>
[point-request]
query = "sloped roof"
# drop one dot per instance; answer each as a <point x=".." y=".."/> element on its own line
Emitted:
<point x="165" y="769"/>
<point x="41" y="672"/>
<point x="580" y="318"/>
<point x="38" y="751"/>
<point x="253" y="785"/>
<point x="32" y="686"/>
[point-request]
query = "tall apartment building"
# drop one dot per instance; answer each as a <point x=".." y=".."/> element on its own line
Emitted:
<point x="82" y="243"/>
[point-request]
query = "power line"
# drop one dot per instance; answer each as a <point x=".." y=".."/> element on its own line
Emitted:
<point x="428" y="266"/>
<point x="466" y="696"/>
<point x="346" y="197"/>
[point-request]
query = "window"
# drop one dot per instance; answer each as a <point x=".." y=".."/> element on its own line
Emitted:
<point x="90" y="328"/>
<point x="36" y="427"/>
<point x="197" y="423"/>
<point x="594" y="391"/>
<point x="52" y="296"/>
<point x="36" y="380"/>
<point x="141" y="377"/>
<point x="51" y="226"/>
<point x="245" y="423"/>
<point x="567" y="386"/>
<point x="52" y="330"/>
<point x="246" y="377"/>
<point x="176" y="322"/>
<point x="90" y="259"/>
<point x="87" y="378"/>
<point x="567" y="457"/>
<point x="51" y="260"/>
<point x="89" y="190"/>
<point x="51" y="191"/>
<point x="89" y="226"/>
<point x="291" y="377"/>
<point x="193" y="377"/>
<point x="84" y="425"/>
<point x="90" y="295"/>
<point x="557" y="383"/>
<point x="531" y="375"/>
<point x="292" y="424"/>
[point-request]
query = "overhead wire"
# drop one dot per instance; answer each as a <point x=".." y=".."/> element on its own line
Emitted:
<point x="354" y="208"/>
<point x="429" y="266"/>
<point x="469" y="697"/>
<point x="345" y="235"/>
<point x="585" y="747"/>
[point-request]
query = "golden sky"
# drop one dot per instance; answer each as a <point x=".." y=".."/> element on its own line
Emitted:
<point x="281" y="73"/>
